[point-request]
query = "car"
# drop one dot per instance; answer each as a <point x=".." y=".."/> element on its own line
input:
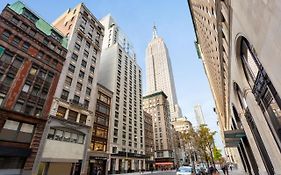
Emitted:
<point x="185" y="170"/>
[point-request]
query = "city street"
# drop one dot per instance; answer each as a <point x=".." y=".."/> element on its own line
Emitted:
<point x="234" y="172"/>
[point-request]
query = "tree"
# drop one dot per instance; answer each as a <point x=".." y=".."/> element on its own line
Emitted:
<point x="201" y="141"/>
<point x="217" y="154"/>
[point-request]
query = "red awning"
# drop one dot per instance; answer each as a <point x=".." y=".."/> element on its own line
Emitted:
<point x="164" y="163"/>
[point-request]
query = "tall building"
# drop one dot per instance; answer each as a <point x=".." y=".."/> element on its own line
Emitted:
<point x="199" y="115"/>
<point x="121" y="74"/>
<point x="32" y="53"/>
<point x="157" y="105"/>
<point x="240" y="52"/>
<point x="159" y="74"/>
<point x="68" y="133"/>
<point x="149" y="141"/>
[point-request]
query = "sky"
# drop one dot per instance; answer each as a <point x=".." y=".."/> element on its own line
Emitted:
<point x="136" y="19"/>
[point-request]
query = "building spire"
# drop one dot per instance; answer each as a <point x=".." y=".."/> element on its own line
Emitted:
<point x="154" y="31"/>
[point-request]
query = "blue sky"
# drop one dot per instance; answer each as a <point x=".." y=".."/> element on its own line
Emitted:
<point x="136" y="18"/>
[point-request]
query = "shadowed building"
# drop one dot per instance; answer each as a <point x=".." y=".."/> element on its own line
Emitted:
<point x="240" y="51"/>
<point x="149" y="141"/>
<point x="32" y="54"/>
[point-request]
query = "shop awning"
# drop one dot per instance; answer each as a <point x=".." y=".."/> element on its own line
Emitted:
<point x="164" y="163"/>
<point x="233" y="137"/>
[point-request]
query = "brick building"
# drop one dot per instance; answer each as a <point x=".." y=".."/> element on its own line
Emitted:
<point x="32" y="53"/>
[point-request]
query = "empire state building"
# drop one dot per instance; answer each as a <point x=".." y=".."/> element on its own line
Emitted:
<point x="159" y="74"/>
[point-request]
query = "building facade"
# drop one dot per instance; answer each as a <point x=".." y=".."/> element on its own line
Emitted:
<point x="159" y="74"/>
<point x="69" y="129"/>
<point x="241" y="60"/>
<point x="149" y="141"/>
<point x="32" y="53"/>
<point x="99" y="147"/>
<point x="157" y="105"/>
<point x="122" y="75"/>
<point x="199" y="115"/>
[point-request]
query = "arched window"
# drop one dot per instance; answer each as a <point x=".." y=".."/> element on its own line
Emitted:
<point x="262" y="88"/>
<point x="255" y="132"/>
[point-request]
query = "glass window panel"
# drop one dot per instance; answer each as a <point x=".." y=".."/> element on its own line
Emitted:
<point x="18" y="106"/>
<point x="58" y="135"/>
<point x="27" y="128"/>
<point x="12" y="125"/>
<point x="26" y="88"/>
<point x="74" y="137"/>
<point x="80" y="139"/>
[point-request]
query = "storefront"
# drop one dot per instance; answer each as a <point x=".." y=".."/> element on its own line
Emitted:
<point x="164" y="165"/>
<point x="97" y="165"/>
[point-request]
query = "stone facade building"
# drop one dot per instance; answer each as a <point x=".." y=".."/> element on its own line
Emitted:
<point x="238" y="42"/>
<point x="32" y="53"/>
<point x="68" y="132"/>
<point x="157" y="105"/>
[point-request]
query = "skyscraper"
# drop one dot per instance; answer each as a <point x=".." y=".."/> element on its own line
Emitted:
<point x="199" y="115"/>
<point x="121" y="74"/>
<point x="159" y="74"/>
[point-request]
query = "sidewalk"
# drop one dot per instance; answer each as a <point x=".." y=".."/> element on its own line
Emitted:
<point x="233" y="172"/>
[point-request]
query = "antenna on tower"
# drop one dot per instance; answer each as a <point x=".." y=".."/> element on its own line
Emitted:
<point x="154" y="31"/>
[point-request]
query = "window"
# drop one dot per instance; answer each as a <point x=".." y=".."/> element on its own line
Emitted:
<point x="16" y="41"/>
<point x="90" y="80"/>
<point x="35" y="90"/>
<point x="65" y="135"/>
<point x="15" y="20"/>
<point x="42" y="74"/>
<point x="72" y="116"/>
<point x="29" y="109"/>
<point x="95" y="51"/>
<point x="29" y="15"/>
<point x="40" y="54"/>
<point x="102" y="120"/>
<point x="23" y="26"/>
<point x="2" y="97"/>
<point x="9" y="79"/>
<point x="81" y="74"/>
<point x="86" y="103"/>
<point x="33" y="71"/>
<point x="99" y="146"/>
<point x="103" y="109"/>
<point x="78" y="86"/>
<point x="16" y="131"/>
<point x="32" y="32"/>
<point x="26" y="87"/>
<point x="45" y="41"/>
<point x="83" y="119"/>
<point x="115" y="133"/>
<point x="50" y="77"/>
<point x="79" y="37"/>
<point x="77" y="47"/>
<point x="86" y="53"/>
<point x="18" y="62"/>
<point x="6" y="35"/>
<point x="88" y="91"/>
<point x="64" y="94"/>
<point x="88" y="45"/>
<point x="7" y="57"/>
<point x="84" y="63"/>
<point x="92" y="69"/>
<point x="18" y="106"/>
<point x="76" y="99"/>
<point x="71" y="68"/>
<point x="100" y="132"/>
<point x="25" y="46"/>
<point x="68" y="81"/>
<point x="61" y="112"/>
<point x="74" y="56"/>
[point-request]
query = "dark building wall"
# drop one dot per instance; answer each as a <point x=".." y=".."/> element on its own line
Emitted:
<point x="25" y="49"/>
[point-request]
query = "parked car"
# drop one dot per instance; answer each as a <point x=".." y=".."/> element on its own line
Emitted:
<point x="185" y="170"/>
